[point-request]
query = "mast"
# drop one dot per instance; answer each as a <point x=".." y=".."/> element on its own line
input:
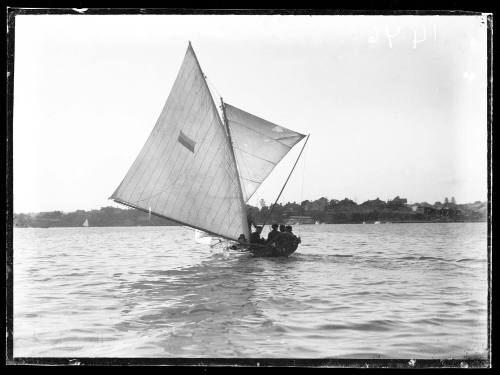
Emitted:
<point x="279" y="195"/>
<point x="240" y="190"/>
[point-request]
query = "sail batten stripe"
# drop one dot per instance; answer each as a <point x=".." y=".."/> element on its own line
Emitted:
<point x="155" y="175"/>
<point x="256" y="131"/>
<point x="131" y="205"/>
<point x="158" y="141"/>
<point x="255" y="156"/>
<point x="180" y="169"/>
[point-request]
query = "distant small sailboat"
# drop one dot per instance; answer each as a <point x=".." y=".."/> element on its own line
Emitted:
<point x="200" y="170"/>
<point x="377" y="222"/>
<point x="85" y="223"/>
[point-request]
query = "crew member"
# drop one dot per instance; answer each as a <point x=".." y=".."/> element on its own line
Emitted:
<point x="273" y="233"/>
<point x="255" y="236"/>
<point x="288" y="229"/>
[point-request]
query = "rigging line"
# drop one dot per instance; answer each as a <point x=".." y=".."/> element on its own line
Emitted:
<point x="211" y="88"/>
<point x="283" y="188"/>
<point x="210" y="83"/>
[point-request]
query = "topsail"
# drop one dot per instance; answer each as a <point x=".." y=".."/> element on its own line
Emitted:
<point x="258" y="146"/>
<point x="196" y="169"/>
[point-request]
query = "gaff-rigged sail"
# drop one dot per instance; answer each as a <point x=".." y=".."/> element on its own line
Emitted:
<point x="185" y="171"/>
<point x="258" y="146"/>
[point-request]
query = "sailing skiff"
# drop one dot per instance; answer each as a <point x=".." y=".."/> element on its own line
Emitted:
<point x="199" y="169"/>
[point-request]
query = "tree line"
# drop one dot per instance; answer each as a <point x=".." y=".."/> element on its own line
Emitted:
<point x="321" y="210"/>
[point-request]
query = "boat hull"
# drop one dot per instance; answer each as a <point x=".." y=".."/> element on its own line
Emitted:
<point x="281" y="250"/>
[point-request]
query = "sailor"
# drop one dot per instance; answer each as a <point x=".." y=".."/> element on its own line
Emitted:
<point x="288" y="229"/>
<point x="273" y="233"/>
<point x="242" y="240"/>
<point x="250" y="222"/>
<point x="282" y="228"/>
<point x="255" y="236"/>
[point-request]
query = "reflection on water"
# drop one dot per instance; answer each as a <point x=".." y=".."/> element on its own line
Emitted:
<point x="396" y="290"/>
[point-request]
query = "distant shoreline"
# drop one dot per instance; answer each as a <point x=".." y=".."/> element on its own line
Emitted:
<point x="319" y="211"/>
<point x="268" y="224"/>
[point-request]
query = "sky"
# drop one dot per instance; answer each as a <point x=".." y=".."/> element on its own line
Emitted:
<point x="394" y="105"/>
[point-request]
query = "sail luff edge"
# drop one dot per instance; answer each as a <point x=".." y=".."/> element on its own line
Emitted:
<point x="226" y="128"/>
<point x="240" y="190"/>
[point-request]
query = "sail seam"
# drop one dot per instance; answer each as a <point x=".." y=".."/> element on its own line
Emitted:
<point x="201" y="143"/>
<point x="176" y="175"/>
<point x="202" y="182"/>
<point x="249" y="179"/>
<point x="156" y="178"/>
<point x="131" y="205"/>
<point x="201" y="166"/>
<point x="259" y="119"/>
<point x="220" y="206"/>
<point x="262" y="134"/>
<point x="160" y="177"/>
<point x="255" y="156"/>
<point x="156" y="142"/>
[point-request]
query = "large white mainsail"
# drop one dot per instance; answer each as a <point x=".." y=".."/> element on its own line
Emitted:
<point x="258" y="146"/>
<point x="186" y="171"/>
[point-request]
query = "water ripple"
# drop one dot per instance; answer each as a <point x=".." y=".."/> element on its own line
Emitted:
<point x="356" y="291"/>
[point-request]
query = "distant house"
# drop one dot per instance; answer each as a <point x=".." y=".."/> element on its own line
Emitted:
<point x="299" y="220"/>
<point x="423" y="208"/>
<point x="416" y="207"/>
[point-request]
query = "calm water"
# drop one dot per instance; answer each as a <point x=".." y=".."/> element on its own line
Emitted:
<point x="372" y="291"/>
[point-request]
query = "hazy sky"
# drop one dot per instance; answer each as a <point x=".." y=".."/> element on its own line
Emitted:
<point x="395" y="105"/>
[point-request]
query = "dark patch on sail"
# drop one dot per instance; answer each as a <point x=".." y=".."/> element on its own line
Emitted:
<point x="186" y="141"/>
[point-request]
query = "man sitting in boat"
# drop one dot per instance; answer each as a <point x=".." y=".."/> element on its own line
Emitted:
<point x="255" y="236"/>
<point x="242" y="240"/>
<point x="273" y="233"/>
<point x="284" y="241"/>
<point x="250" y="222"/>
<point x="288" y="229"/>
<point x="282" y="228"/>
